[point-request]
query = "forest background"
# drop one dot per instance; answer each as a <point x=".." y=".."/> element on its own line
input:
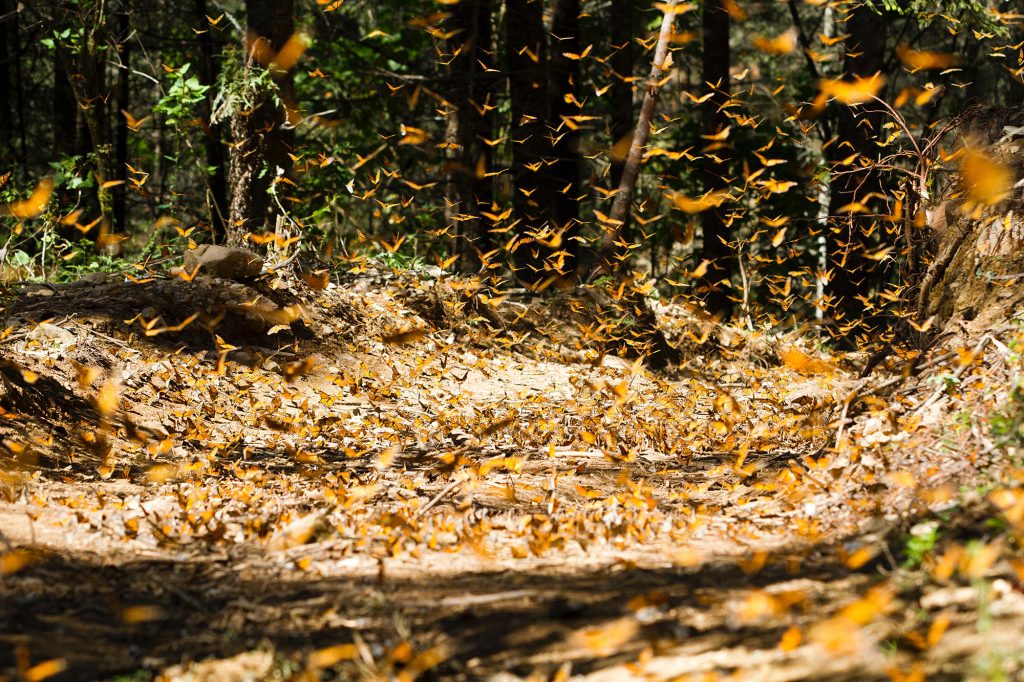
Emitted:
<point x="795" y="154"/>
<point x="595" y="338"/>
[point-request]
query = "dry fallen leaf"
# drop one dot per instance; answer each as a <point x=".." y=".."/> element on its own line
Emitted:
<point x="296" y="533"/>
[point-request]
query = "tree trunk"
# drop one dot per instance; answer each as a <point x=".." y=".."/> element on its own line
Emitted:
<point x="69" y="134"/>
<point x="714" y="160"/>
<point x="563" y="176"/>
<point x="857" y="129"/>
<point x="19" y="80"/>
<point x="8" y="53"/>
<point x="526" y="56"/>
<point x="261" y="144"/>
<point x="12" y="123"/>
<point x="86" y="76"/>
<point x="217" y="184"/>
<point x="121" y="141"/>
<point x="13" y="145"/>
<point x="468" y="157"/>
<point x="622" y="62"/>
<point x="68" y="138"/>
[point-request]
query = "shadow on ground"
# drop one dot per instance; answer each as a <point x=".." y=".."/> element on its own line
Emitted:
<point x="81" y="609"/>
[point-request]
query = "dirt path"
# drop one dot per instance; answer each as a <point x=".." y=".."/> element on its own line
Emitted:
<point x="344" y="498"/>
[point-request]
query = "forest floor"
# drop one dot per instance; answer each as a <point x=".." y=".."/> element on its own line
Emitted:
<point x="391" y="479"/>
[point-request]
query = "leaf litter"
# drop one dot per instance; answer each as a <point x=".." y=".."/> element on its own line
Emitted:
<point x="398" y="475"/>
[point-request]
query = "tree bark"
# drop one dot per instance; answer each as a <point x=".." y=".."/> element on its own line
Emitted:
<point x="261" y="144"/>
<point x="86" y="80"/>
<point x="120" y="207"/>
<point x="13" y="127"/>
<point x="69" y="134"/>
<point x="468" y="157"/>
<point x="216" y="158"/>
<point x="857" y="128"/>
<point x="8" y="53"/>
<point x="19" y="79"/>
<point x="714" y="162"/>
<point x="563" y="175"/>
<point x="70" y="137"/>
<point x="86" y="77"/>
<point x="526" y="58"/>
<point x="622" y="63"/>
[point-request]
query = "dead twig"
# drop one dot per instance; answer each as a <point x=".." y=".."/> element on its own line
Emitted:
<point x="850" y="399"/>
<point x="937" y="394"/>
<point x="438" y="497"/>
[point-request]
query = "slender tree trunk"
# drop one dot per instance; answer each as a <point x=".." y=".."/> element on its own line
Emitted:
<point x="12" y="84"/>
<point x="612" y="254"/>
<point x="70" y="136"/>
<point x="216" y="158"/>
<point x="468" y="157"/>
<point x="483" y="103"/>
<point x="526" y="57"/>
<point x="67" y="137"/>
<point x="86" y="74"/>
<point x="8" y="53"/>
<point x="564" y="174"/>
<point x="623" y="62"/>
<point x="857" y="129"/>
<point x="714" y="161"/>
<point x="660" y="353"/>
<point x="261" y="144"/>
<point x="19" y="79"/>
<point x="121" y="139"/>
<point x="89" y="85"/>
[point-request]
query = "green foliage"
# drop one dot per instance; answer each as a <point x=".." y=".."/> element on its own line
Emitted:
<point x="241" y="86"/>
<point x="81" y="257"/>
<point x="1008" y="424"/>
<point x="400" y="261"/>
<point x="68" y="37"/>
<point x="72" y="172"/>
<point x="178" y="105"/>
<point x="920" y="543"/>
<point x="974" y="13"/>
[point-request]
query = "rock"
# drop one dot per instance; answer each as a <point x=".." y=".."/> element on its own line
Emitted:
<point x="809" y="391"/>
<point x="251" y="665"/>
<point x="615" y="362"/>
<point x="226" y="262"/>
